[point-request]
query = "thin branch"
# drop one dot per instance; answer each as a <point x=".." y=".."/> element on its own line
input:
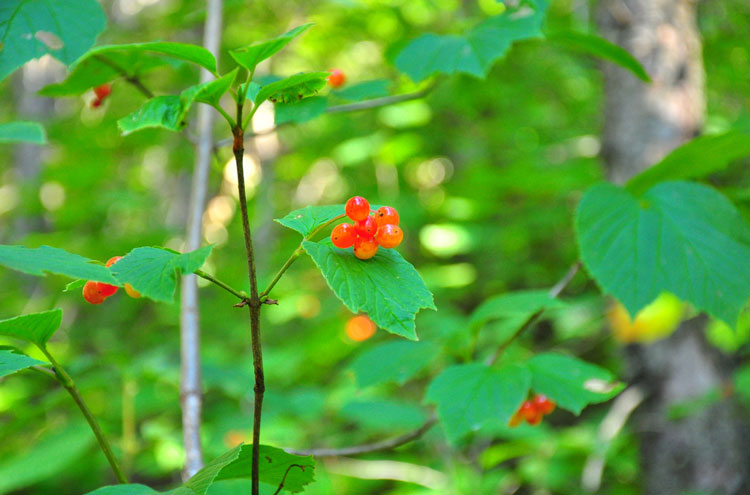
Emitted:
<point x="553" y="292"/>
<point x="134" y="80"/>
<point x="236" y="293"/>
<point x="388" y="444"/>
<point x="67" y="382"/>
<point x="283" y="480"/>
<point x="191" y="395"/>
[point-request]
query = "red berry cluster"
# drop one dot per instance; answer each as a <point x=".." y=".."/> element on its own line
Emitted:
<point x="367" y="232"/>
<point x="101" y="93"/>
<point x="97" y="292"/>
<point x="532" y="411"/>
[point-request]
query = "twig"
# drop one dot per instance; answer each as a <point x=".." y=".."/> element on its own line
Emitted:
<point x="254" y="303"/>
<point x="388" y="444"/>
<point x="134" y="80"/>
<point x="283" y="480"/>
<point x="191" y="397"/>
<point x="236" y="293"/>
<point x="67" y="382"/>
<point x="553" y="292"/>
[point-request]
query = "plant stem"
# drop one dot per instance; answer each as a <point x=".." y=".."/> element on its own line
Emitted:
<point x="254" y="303"/>
<point x="240" y="295"/>
<point x="293" y="257"/>
<point x="67" y="382"/>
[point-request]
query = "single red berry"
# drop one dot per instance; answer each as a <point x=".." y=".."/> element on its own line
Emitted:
<point x="366" y="228"/>
<point x="92" y="294"/>
<point x="107" y="289"/>
<point x="336" y="79"/>
<point x="113" y="260"/>
<point x="103" y="90"/>
<point x="365" y="249"/>
<point x="357" y="208"/>
<point x="527" y="410"/>
<point x="389" y="236"/>
<point x="543" y="404"/>
<point x="535" y="419"/>
<point x="343" y="235"/>
<point x="96" y="103"/>
<point x="386" y="215"/>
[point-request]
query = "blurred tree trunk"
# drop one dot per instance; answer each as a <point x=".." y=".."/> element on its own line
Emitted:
<point x="704" y="452"/>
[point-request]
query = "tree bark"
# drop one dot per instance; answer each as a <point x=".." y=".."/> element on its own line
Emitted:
<point x="703" y="452"/>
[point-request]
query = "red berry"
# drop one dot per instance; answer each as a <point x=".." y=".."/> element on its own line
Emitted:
<point x="516" y="419"/>
<point x="357" y="208"/>
<point x="543" y="404"/>
<point x="113" y="260"/>
<point x="96" y="103"/>
<point x="365" y="249"/>
<point x="107" y="289"/>
<point x="103" y="90"/>
<point x="337" y="78"/>
<point x="366" y="228"/>
<point x="390" y="236"/>
<point x="386" y="215"/>
<point x="92" y="294"/>
<point x="535" y="419"/>
<point x="343" y="235"/>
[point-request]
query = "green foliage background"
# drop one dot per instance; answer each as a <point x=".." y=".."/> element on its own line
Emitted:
<point x="485" y="174"/>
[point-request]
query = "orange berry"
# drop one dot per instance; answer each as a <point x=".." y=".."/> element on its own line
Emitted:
<point x="365" y="228"/>
<point x="543" y="404"/>
<point x="386" y="215"/>
<point x="360" y="328"/>
<point x="343" y="235"/>
<point x="113" y="260"/>
<point x="132" y="292"/>
<point x="103" y="90"/>
<point x="390" y="236"/>
<point x="357" y="208"/>
<point x="365" y="249"/>
<point x="337" y="78"/>
<point x="92" y="294"/>
<point x="515" y="420"/>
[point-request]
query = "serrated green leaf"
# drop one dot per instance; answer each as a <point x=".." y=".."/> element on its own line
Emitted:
<point x="571" y="383"/>
<point x="377" y="88"/>
<point x="74" y="285"/>
<point x="129" y="489"/>
<point x="209" y="92"/>
<point x="12" y="360"/>
<point x="274" y="464"/>
<point x="250" y="56"/>
<point x="386" y="287"/>
<point x="292" y="88"/>
<point x="698" y="158"/>
<point x="300" y="111"/>
<point x="45" y="259"/>
<point x="154" y="271"/>
<point x="162" y="111"/>
<point x="475" y="51"/>
<point x="202" y="480"/>
<point x="30" y="29"/>
<point x="470" y="396"/>
<point x="518" y="306"/>
<point x="395" y="361"/>
<point x="306" y="220"/>
<point x="36" y="328"/>
<point x="22" y="132"/>
<point x="679" y="237"/>
<point x="101" y="64"/>
<point x="599" y="47"/>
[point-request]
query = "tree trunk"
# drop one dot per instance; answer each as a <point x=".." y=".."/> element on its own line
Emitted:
<point x="704" y="452"/>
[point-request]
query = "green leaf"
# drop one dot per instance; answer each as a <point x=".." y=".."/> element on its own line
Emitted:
<point x="52" y="455"/>
<point x="162" y="111"/>
<point x="100" y="64"/>
<point x="300" y="111"/>
<point x="130" y="489"/>
<point x="250" y="56"/>
<point x="383" y="415"/>
<point x="599" y="47"/>
<point x="202" y="480"/>
<point x="470" y="396"/>
<point x="475" y="51"/>
<point x="292" y="88"/>
<point x="154" y="271"/>
<point x="36" y="328"/>
<point x="571" y="383"/>
<point x="209" y="92"/>
<point x="394" y="361"/>
<point x="74" y="285"/>
<point x="30" y="29"/>
<point x="377" y="88"/>
<point x="20" y="131"/>
<point x="700" y="157"/>
<point x="680" y="237"/>
<point x="517" y="306"/>
<point x="11" y="360"/>
<point x="309" y="218"/>
<point x="45" y="259"/>
<point x="386" y="287"/>
<point x="274" y="464"/>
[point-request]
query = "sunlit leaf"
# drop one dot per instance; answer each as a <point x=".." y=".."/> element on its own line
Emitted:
<point x="292" y="88"/>
<point x="36" y="328"/>
<point x="250" y="56"/>
<point x="45" y="259"/>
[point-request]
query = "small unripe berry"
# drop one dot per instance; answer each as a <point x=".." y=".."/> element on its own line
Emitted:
<point x="365" y="249"/>
<point x="357" y="208"/>
<point x="365" y="228"/>
<point x="336" y="79"/>
<point x="386" y="215"/>
<point x="343" y="235"/>
<point x="92" y="294"/>
<point x="390" y="236"/>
